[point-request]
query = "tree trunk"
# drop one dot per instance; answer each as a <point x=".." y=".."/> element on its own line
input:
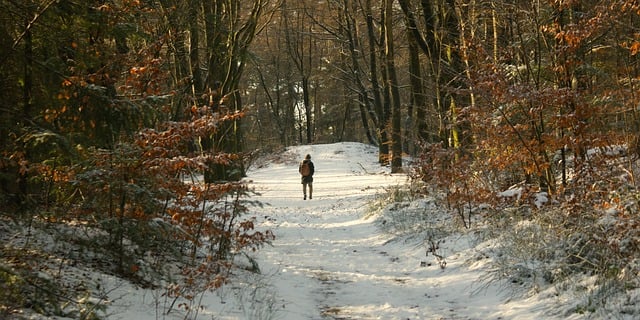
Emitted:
<point x="307" y="109"/>
<point x="27" y="95"/>
<point x="418" y="100"/>
<point x="194" y="48"/>
<point x="392" y="84"/>
<point x="454" y="69"/>
<point x="366" y="109"/>
<point x="180" y="62"/>
<point x="383" y="147"/>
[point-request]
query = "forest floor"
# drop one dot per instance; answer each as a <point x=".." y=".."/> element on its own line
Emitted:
<point x="350" y="253"/>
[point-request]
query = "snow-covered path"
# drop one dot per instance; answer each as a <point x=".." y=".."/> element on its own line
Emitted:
<point x="330" y="262"/>
<point x="326" y="254"/>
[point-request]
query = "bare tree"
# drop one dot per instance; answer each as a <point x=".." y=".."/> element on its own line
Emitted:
<point x="392" y="87"/>
<point x="299" y="45"/>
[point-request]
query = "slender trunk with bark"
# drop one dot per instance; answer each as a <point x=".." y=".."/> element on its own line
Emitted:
<point x="383" y="147"/>
<point x="418" y="100"/>
<point x="392" y="83"/>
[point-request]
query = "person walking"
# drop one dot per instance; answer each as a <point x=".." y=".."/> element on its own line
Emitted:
<point x="307" y="169"/>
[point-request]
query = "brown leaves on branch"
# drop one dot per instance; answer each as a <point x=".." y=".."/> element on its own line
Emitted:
<point x="554" y="117"/>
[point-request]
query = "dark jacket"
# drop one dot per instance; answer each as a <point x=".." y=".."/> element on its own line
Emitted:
<point x="309" y="178"/>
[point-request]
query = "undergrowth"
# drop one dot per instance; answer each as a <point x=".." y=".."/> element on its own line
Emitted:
<point x="586" y="232"/>
<point x="407" y="215"/>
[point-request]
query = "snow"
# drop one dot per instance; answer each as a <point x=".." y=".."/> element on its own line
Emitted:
<point x="337" y="257"/>
<point x="540" y="199"/>
<point x="511" y="192"/>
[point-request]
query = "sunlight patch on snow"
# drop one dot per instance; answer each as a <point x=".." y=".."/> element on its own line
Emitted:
<point x="340" y="224"/>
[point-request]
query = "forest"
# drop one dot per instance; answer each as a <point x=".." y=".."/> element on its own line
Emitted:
<point x="111" y="109"/>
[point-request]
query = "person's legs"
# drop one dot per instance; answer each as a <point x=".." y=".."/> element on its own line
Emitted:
<point x="310" y="190"/>
<point x="304" y="191"/>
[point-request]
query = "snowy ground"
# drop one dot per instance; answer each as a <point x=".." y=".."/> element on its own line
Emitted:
<point x="330" y="259"/>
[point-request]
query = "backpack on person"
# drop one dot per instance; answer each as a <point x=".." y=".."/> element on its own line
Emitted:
<point x="305" y="169"/>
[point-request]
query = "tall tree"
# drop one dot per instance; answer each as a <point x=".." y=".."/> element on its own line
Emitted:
<point x="439" y="39"/>
<point x="376" y="89"/>
<point x="230" y="28"/>
<point x="418" y="105"/>
<point x="392" y="87"/>
<point x="354" y="70"/>
<point x="299" y="44"/>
